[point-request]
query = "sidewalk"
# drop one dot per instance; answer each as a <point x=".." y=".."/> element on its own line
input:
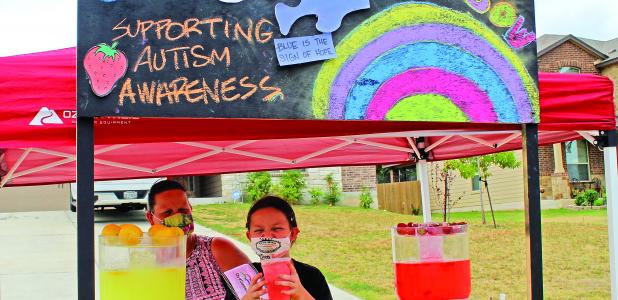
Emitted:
<point x="38" y="253"/>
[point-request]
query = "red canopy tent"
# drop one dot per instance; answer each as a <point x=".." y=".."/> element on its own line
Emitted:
<point x="37" y="131"/>
<point x="38" y="138"/>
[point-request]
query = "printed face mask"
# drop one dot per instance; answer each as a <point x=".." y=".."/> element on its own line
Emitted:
<point x="268" y="248"/>
<point x="182" y="221"/>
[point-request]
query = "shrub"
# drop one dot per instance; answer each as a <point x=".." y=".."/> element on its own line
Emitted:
<point x="316" y="195"/>
<point x="579" y="199"/>
<point x="599" y="202"/>
<point x="333" y="193"/>
<point x="586" y="198"/>
<point x="258" y="185"/>
<point x="365" y="198"/>
<point x="275" y="190"/>
<point x="292" y="185"/>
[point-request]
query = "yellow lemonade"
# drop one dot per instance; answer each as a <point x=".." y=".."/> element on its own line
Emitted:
<point x="143" y="283"/>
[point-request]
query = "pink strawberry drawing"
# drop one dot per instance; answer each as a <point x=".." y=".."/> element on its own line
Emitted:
<point x="104" y="65"/>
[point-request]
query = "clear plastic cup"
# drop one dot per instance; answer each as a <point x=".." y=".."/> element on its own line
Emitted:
<point x="431" y="261"/>
<point x="272" y="268"/>
<point x="150" y="269"/>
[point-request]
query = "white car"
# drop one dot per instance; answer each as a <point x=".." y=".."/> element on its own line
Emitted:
<point x="124" y="195"/>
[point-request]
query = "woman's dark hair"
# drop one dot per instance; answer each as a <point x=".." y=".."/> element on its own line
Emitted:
<point x="276" y="203"/>
<point x="160" y="187"/>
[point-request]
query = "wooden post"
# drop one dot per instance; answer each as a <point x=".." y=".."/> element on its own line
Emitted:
<point x="85" y="209"/>
<point x="532" y="204"/>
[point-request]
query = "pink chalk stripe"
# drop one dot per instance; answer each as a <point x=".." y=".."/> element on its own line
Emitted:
<point x="466" y="95"/>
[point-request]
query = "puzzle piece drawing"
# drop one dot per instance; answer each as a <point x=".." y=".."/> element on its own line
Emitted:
<point x="330" y="13"/>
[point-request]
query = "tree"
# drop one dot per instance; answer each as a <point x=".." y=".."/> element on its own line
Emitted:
<point x="473" y="166"/>
<point x="259" y="185"/>
<point x="441" y="181"/>
<point x="292" y="184"/>
<point x="333" y="193"/>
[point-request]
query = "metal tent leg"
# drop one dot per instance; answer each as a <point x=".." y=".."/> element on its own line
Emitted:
<point x="532" y="204"/>
<point x="611" y="189"/>
<point x="422" y="173"/>
<point x="85" y="209"/>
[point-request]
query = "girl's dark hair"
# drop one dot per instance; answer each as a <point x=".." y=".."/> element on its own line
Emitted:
<point x="276" y="203"/>
<point x="160" y="187"/>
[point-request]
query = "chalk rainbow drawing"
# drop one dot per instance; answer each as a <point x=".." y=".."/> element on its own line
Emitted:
<point x="480" y="6"/>
<point x="423" y="62"/>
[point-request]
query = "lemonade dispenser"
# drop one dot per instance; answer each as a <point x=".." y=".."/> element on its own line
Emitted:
<point x="142" y="266"/>
<point x="431" y="261"/>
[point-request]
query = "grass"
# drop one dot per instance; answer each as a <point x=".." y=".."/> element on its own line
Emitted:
<point x="352" y="248"/>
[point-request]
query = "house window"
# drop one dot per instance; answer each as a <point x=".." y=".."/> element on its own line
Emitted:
<point x="405" y="174"/>
<point x="400" y="174"/>
<point x="570" y="70"/>
<point x="577" y="160"/>
<point x="383" y="175"/>
<point x="476" y="183"/>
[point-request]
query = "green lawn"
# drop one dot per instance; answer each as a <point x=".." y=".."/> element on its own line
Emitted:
<point x="352" y="248"/>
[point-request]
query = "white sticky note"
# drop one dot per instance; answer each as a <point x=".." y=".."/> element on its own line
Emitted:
<point x="298" y="50"/>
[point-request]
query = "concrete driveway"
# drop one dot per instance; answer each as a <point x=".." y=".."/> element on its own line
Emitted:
<point x="38" y="252"/>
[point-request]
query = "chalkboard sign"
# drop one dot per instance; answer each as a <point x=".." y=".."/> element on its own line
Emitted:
<point x="436" y="60"/>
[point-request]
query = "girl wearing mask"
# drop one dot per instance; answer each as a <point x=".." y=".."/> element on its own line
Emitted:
<point x="272" y="220"/>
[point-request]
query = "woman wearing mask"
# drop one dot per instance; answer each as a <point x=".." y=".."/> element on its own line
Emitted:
<point x="207" y="257"/>
<point x="272" y="219"/>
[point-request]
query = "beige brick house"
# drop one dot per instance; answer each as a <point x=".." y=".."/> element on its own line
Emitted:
<point x="563" y="167"/>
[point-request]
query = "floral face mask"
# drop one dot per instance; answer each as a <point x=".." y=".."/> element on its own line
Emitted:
<point x="180" y="220"/>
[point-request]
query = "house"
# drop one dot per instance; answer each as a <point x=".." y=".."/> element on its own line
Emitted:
<point x="564" y="168"/>
<point x="229" y="187"/>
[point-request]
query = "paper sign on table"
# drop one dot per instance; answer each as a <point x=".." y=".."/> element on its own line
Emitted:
<point x="298" y="50"/>
<point x="239" y="278"/>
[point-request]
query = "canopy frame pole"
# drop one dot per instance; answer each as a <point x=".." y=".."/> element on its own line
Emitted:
<point x="186" y="161"/>
<point x="508" y="139"/>
<point x="609" y="142"/>
<point x="85" y="209"/>
<point x="413" y="146"/>
<point x="9" y="175"/>
<point x="123" y="166"/>
<point x="232" y="150"/>
<point x="532" y="205"/>
<point x="587" y="136"/>
<point x="67" y="155"/>
<point x="438" y="143"/>
<point x="423" y="176"/>
<point x="44" y="167"/>
<point x="479" y="141"/>
<point x="323" y="151"/>
<point x="379" y="145"/>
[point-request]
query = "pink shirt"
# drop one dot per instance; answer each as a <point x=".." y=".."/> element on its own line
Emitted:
<point x="203" y="275"/>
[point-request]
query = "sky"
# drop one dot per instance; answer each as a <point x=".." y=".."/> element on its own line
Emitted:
<point x="39" y="25"/>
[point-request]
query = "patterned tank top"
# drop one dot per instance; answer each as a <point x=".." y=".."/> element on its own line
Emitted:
<point x="203" y="275"/>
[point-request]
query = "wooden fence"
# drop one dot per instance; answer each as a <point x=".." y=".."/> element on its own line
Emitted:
<point x="399" y="197"/>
